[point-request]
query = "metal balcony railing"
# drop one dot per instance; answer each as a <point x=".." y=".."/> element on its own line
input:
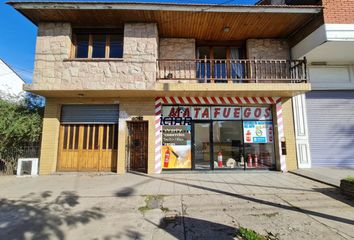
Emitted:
<point x="232" y="70"/>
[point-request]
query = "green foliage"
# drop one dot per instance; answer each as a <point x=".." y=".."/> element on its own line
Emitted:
<point x="350" y="179"/>
<point x="247" y="234"/>
<point x="20" y="125"/>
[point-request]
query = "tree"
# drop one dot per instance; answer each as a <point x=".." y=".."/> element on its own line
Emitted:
<point x="20" y="127"/>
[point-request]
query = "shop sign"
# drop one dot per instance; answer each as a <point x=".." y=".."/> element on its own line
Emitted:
<point x="183" y="115"/>
<point x="176" y="147"/>
<point x="226" y="113"/>
<point x="201" y="113"/>
<point x="256" y="113"/>
<point x="258" y="131"/>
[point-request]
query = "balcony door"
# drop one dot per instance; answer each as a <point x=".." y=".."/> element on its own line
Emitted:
<point x="219" y="64"/>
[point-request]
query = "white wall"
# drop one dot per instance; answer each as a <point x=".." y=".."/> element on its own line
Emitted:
<point x="332" y="77"/>
<point x="10" y="83"/>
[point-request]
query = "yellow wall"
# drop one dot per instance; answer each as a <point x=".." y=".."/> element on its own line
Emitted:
<point x="289" y="133"/>
<point x="133" y="107"/>
<point x="50" y="138"/>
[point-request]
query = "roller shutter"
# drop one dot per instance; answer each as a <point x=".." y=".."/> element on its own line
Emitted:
<point x="90" y="114"/>
<point x="331" y="128"/>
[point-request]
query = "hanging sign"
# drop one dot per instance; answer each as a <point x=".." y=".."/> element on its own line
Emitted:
<point x="258" y="131"/>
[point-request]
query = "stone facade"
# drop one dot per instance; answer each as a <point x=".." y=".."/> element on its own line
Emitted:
<point x="177" y="48"/>
<point x="267" y="49"/>
<point x="54" y="70"/>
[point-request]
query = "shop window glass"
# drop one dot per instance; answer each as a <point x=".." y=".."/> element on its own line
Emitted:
<point x="227" y="147"/>
<point x="259" y="155"/>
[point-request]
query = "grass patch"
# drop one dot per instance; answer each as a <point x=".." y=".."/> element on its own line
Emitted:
<point x="350" y="179"/>
<point x="143" y="209"/>
<point x="153" y="202"/>
<point x="248" y="234"/>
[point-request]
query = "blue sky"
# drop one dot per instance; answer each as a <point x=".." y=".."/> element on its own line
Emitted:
<point x="18" y="35"/>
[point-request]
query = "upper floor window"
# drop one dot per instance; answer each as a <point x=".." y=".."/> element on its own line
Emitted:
<point x="97" y="43"/>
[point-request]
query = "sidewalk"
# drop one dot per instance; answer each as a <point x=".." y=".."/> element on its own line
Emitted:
<point x="172" y="206"/>
<point x="330" y="176"/>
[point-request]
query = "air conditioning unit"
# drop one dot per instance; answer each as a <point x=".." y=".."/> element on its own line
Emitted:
<point x="27" y="167"/>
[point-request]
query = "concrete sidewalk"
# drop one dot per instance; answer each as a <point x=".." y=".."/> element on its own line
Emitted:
<point x="330" y="176"/>
<point x="172" y="206"/>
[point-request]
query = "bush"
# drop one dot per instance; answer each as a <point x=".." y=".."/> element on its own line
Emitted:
<point x="350" y="179"/>
<point x="20" y="129"/>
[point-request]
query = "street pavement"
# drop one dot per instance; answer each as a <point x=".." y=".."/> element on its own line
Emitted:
<point x="172" y="206"/>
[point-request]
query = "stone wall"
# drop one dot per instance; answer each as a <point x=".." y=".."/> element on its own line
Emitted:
<point x="140" y="42"/>
<point x="177" y="48"/>
<point x="267" y="49"/>
<point x="54" y="70"/>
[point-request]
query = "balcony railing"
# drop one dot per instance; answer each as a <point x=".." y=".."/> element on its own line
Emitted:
<point x="232" y="70"/>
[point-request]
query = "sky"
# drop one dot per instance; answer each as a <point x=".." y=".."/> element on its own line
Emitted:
<point x="18" y="35"/>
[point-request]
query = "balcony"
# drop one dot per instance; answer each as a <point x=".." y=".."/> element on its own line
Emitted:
<point x="231" y="71"/>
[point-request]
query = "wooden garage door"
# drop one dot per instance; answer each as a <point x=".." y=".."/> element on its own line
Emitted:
<point x="88" y="147"/>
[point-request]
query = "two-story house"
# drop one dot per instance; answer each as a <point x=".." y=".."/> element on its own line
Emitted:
<point x="154" y="87"/>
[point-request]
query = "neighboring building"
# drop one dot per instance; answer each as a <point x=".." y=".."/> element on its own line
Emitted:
<point x="328" y="124"/>
<point x="151" y="86"/>
<point x="10" y="82"/>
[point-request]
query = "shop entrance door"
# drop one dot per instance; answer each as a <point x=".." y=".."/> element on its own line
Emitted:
<point x="202" y="145"/>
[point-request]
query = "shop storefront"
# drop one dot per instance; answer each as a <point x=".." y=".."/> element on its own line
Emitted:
<point x="216" y="133"/>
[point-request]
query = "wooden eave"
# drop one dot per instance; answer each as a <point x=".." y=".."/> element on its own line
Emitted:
<point x="203" y="22"/>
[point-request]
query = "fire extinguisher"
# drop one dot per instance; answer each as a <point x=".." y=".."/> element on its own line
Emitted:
<point x="255" y="160"/>
<point x="220" y="159"/>
<point x="167" y="158"/>
<point x="248" y="136"/>
<point x="249" y="160"/>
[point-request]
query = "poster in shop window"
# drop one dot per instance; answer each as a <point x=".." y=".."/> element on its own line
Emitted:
<point x="176" y="147"/>
<point x="258" y="131"/>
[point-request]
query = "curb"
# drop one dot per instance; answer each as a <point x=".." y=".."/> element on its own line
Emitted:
<point x="314" y="179"/>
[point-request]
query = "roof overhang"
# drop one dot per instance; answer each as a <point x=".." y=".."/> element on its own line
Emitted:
<point x="244" y="21"/>
<point x="330" y="43"/>
<point x="164" y="7"/>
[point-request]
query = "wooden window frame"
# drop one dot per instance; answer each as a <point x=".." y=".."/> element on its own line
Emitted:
<point x="90" y="33"/>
